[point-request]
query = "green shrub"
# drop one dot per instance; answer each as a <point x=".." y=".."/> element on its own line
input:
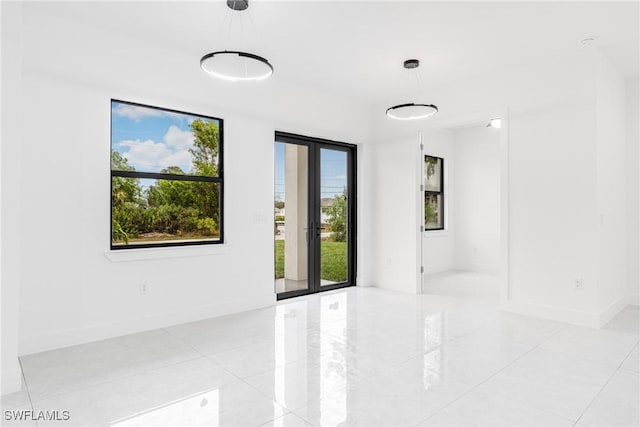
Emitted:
<point x="131" y="218"/>
<point x="118" y="234"/>
<point x="337" y="218"/>
<point x="207" y="225"/>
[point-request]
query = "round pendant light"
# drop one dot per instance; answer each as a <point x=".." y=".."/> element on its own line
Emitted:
<point x="411" y="110"/>
<point x="233" y="65"/>
<point x="236" y="66"/>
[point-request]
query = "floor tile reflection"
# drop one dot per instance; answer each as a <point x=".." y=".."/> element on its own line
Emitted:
<point x="351" y="357"/>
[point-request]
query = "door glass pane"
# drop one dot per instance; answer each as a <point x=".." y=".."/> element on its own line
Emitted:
<point x="333" y="217"/>
<point x="291" y="217"/>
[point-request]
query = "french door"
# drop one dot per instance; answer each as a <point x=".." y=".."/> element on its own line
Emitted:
<point x="315" y="203"/>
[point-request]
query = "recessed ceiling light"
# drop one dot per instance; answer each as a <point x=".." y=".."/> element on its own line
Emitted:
<point x="495" y="123"/>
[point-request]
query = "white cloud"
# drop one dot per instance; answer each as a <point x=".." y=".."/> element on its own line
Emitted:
<point x="151" y="156"/>
<point x="180" y="158"/>
<point x="176" y="137"/>
<point x="137" y="112"/>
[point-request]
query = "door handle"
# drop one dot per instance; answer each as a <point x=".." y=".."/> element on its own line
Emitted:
<point x="315" y="230"/>
<point x="306" y="232"/>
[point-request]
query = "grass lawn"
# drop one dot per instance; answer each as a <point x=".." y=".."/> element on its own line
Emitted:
<point x="279" y="259"/>
<point x="333" y="260"/>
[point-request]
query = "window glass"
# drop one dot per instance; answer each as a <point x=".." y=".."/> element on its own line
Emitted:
<point x="166" y="177"/>
<point x="433" y="193"/>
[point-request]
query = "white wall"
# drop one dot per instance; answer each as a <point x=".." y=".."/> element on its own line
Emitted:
<point x="57" y="205"/>
<point x="633" y="190"/>
<point x="472" y="206"/>
<point x="547" y="100"/>
<point x="10" y="189"/>
<point x="568" y="216"/>
<point x="611" y="194"/>
<point x="565" y="142"/>
<point x="477" y="199"/>
<point x="394" y="175"/>
<point x="393" y="235"/>
<point x="438" y="246"/>
<point x="553" y="176"/>
<point x="551" y="103"/>
<point x="552" y="194"/>
<point x="72" y="288"/>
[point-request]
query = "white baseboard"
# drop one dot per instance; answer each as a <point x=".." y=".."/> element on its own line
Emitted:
<point x="433" y="269"/>
<point x="574" y="317"/>
<point x="11" y="379"/>
<point x="66" y="338"/>
<point x="479" y="268"/>
<point x="394" y="286"/>
<point x="366" y="285"/>
<point x="610" y="312"/>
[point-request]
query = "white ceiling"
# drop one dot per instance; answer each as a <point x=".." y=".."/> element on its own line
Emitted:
<point x="476" y="57"/>
<point x="357" y="48"/>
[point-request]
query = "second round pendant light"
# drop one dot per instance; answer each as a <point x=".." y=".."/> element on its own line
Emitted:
<point x="411" y="110"/>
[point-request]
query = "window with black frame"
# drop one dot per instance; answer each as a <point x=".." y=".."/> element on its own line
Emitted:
<point x="433" y="193"/>
<point x="166" y="177"/>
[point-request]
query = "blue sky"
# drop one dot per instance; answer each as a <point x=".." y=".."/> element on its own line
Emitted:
<point x="151" y="139"/>
<point x="333" y="175"/>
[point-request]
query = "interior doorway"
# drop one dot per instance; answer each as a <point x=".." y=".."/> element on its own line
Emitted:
<point x="464" y="209"/>
<point x="314" y="211"/>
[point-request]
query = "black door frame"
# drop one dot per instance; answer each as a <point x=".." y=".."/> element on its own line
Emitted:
<point x="314" y="145"/>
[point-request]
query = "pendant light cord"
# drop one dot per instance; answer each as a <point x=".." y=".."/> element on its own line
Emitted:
<point x="224" y="31"/>
<point x="253" y="24"/>
<point x="405" y="80"/>
<point x="418" y="78"/>
<point x="223" y="37"/>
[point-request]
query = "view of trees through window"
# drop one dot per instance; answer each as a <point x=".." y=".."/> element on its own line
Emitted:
<point x="433" y="193"/>
<point x="166" y="177"/>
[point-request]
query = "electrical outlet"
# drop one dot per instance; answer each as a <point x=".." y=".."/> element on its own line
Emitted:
<point x="144" y="289"/>
<point x="578" y="285"/>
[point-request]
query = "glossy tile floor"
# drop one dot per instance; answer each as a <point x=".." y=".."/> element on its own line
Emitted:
<point x="351" y="357"/>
